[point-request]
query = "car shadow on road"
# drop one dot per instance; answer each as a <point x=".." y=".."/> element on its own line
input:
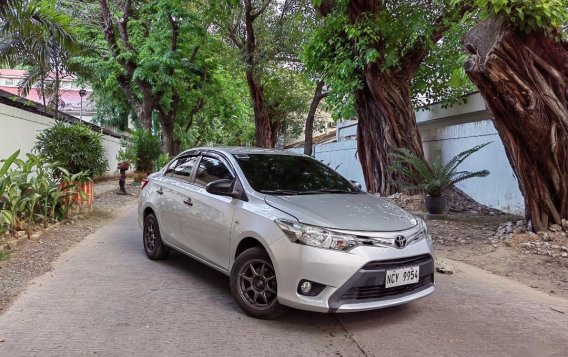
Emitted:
<point x="216" y="283"/>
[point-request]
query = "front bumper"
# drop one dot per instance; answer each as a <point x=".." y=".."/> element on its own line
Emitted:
<point x="354" y="280"/>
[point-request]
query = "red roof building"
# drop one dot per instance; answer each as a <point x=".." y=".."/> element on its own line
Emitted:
<point x="69" y="93"/>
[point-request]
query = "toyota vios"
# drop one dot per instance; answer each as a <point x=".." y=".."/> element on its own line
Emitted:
<point x="288" y="230"/>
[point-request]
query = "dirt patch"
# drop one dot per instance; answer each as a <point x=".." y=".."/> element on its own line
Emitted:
<point x="458" y="202"/>
<point x="31" y="258"/>
<point x="497" y="242"/>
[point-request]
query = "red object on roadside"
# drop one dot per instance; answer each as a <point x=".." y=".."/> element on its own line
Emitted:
<point x="144" y="183"/>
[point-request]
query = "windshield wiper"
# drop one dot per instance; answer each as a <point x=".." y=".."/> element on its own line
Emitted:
<point x="331" y="190"/>
<point x="280" y="192"/>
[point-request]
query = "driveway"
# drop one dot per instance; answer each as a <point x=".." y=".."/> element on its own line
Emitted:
<point x="105" y="298"/>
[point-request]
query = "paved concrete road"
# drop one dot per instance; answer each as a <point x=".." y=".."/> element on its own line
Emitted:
<point x="105" y="298"/>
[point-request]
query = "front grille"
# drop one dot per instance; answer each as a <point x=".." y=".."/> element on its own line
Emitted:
<point x="397" y="263"/>
<point x="379" y="291"/>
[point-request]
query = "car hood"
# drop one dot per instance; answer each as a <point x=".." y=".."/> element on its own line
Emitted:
<point x="358" y="212"/>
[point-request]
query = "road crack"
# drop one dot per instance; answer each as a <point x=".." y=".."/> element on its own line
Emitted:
<point x="350" y="335"/>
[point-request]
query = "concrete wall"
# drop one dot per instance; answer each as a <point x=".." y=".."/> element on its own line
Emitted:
<point x="452" y="130"/>
<point x="500" y="189"/>
<point x="18" y="130"/>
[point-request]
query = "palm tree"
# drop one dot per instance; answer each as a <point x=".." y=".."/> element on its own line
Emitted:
<point x="38" y="37"/>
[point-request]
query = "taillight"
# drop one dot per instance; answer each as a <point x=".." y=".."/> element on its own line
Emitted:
<point x="144" y="183"/>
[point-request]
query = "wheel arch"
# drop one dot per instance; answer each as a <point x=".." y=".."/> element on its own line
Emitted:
<point x="247" y="242"/>
<point x="147" y="211"/>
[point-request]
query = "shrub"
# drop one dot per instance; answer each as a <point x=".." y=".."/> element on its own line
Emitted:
<point x="30" y="194"/>
<point x="75" y="148"/>
<point x="417" y="174"/>
<point x="142" y="150"/>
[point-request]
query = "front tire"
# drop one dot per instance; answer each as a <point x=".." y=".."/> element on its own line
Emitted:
<point x="153" y="245"/>
<point x="253" y="284"/>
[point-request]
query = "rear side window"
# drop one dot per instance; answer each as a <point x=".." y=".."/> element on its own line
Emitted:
<point x="171" y="168"/>
<point x="184" y="168"/>
<point x="210" y="170"/>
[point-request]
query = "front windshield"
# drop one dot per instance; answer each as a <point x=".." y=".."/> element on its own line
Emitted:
<point x="290" y="174"/>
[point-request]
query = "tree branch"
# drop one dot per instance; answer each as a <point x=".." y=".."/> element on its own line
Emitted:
<point x="263" y="6"/>
<point x="175" y="32"/>
<point x="232" y="32"/>
<point x="123" y="25"/>
<point x="196" y="109"/>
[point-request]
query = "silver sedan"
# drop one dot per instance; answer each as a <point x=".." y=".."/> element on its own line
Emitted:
<point x="288" y="230"/>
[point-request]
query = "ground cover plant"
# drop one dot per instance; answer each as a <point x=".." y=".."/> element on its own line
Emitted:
<point x="31" y="195"/>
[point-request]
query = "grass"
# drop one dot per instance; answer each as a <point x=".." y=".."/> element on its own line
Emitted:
<point x="4" y="255"/>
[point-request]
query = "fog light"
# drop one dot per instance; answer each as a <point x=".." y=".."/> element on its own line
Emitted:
<point x="309" y="288"/>
<point x="306" y="287"/>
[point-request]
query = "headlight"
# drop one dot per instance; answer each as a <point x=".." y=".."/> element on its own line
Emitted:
<point x="325" y="238"/>
<point x="316" y="236"/>
<point x="424" y="234"/>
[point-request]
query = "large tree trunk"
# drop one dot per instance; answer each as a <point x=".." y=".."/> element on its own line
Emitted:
<point x="386" y="116"/>
<point x="309" y="130"/>
<point x="524" y="81"/>
<point x="264" y="137"/>
<point x="264" y="130"/>
<point x="170" y="144"/>
<point x="386" y="122"/>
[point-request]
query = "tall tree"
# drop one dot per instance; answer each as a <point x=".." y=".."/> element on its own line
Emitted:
<point x="380" y="58"/>
<point x="518" y="59"/>
<point x="268" y="34"/>
<point x="159" y="63"/>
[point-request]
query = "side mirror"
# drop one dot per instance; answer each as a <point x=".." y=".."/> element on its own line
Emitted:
<point x="226" y="187"/>
<point x="357" y="184"/>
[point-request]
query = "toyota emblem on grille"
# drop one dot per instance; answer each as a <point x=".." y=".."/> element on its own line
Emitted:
<point x="400" y="242"/>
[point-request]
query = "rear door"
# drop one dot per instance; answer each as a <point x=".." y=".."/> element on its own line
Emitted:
<point x="207" y="227"/>
<point x="174" y="192"/>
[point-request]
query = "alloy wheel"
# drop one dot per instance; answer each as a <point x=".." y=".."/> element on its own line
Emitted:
<point x="150" y="236"/>
<point x="257" y="284"/>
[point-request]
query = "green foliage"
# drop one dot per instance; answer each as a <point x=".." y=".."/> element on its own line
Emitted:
<point x="197" y="81"/>
<point x="528" y="15"/>
<point x="416" y="174"/>
<point x="142" y="149"/>
<point x="280" y="31"/>
<point x="30" y="194"/>
<point x="343" y="51"/>
<point x="226" y="116"/>
<point x="76" y="148"/>
<point x="40" y="38"/>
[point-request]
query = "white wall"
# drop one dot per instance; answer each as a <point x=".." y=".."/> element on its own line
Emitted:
<point x="500" y="189"/>
<point x="452" y="130"/>
<point x="19" y="128"/>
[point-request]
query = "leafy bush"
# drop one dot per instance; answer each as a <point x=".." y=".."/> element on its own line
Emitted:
<point x="433" y="179"/>
<point x="527" y="15"/>
<point x="75" y="148"/>
<point x="30" y="194"/>
<point x="142" y="150"/>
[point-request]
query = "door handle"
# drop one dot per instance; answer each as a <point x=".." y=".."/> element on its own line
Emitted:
<point x="188" y="202"/>
<point x="160" y="191"/>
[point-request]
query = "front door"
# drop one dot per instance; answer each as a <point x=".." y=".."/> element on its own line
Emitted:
<point x="207" y="226"/>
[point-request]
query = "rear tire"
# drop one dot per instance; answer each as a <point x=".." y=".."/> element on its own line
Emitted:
<point x="153" y="245"/>
<point x="253" y="285"/>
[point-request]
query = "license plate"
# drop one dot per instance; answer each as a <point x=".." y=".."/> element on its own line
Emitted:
<point x="402" y="276"/>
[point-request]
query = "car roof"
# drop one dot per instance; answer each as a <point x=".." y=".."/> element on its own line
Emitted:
<point x="239" y="150"/>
